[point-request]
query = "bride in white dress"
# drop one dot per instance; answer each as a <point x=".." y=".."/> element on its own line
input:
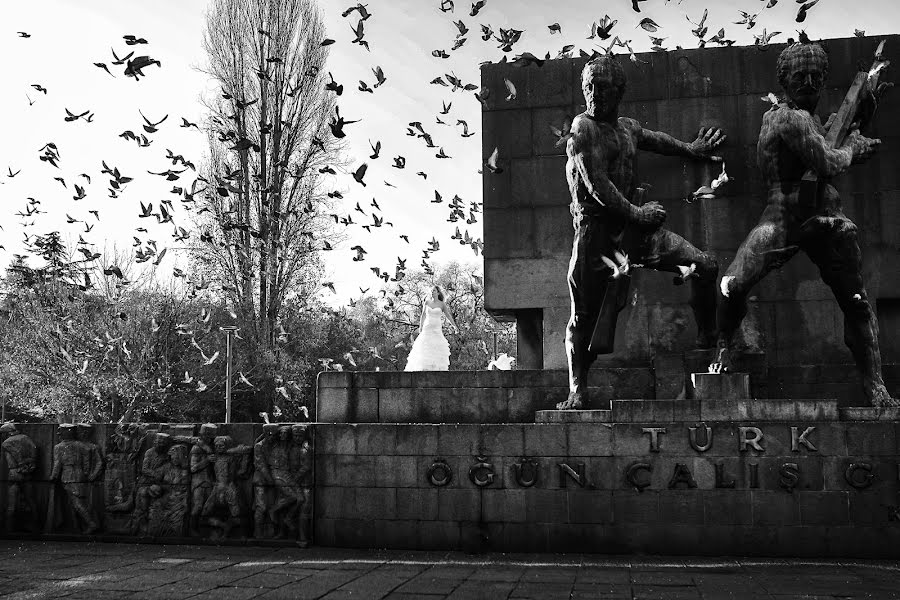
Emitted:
<point x="430" y="351"/>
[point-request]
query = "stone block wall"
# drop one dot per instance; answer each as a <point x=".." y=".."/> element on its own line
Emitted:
<point x="793" y="319"/>
<point x="462" y="396"/>
<point x="782" y="479"/>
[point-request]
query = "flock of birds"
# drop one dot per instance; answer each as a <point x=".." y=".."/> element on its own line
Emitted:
<point x="368" y="216"/>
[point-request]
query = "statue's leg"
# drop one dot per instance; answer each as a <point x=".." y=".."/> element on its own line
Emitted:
<point x="836" y="252"/>
<point x="765" y="248"/>
<point x="587" y="280"/>
<point x="260" y="506"/>
<point x="12" y="505"/>
<point x="198" y="499"/>
<point x="80" y="505"/>
<point x="665" y="250"/>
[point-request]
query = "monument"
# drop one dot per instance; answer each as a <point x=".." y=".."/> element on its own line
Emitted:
<point x="779" y="457"/>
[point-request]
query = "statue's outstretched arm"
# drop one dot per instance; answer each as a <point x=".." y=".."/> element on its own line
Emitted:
<point x="708" y="139"/>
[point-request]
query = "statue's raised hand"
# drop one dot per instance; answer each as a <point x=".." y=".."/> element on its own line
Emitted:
<point x="708" y="139"/>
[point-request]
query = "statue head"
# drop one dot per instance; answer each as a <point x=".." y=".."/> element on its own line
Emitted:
<point x="603" y="83"/>
<point x="8" y="428"/>
<point x="802" y="69"/>
<point x="178" y="454"/>
<point x="222" y="443"/>
<point x="162" y="441"/>
<point x="270" y="430"/>
<point x="84" y="431"/>
<point x="66" y="432"/>
<point x="284" y="433"/>
<point x="208" y="431"/>
<point x="298" y="433"/>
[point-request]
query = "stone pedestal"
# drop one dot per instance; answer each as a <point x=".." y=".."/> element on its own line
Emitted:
<point x="721" y="386"/>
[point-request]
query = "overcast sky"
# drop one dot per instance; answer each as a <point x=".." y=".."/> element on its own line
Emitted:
<point x="68" y="36"/>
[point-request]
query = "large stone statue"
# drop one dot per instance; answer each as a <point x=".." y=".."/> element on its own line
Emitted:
<point x="602" y="180"/>
<point x="72" y="468"/>
<point x="21" y="461"/>
<point x="791" y="143"/>
<point x="202" y="476"/>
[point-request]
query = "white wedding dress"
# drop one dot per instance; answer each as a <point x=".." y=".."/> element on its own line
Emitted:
<point x="430" y="351"/>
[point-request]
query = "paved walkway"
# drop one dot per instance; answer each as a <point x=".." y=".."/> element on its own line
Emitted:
<point x="78" y="570"/>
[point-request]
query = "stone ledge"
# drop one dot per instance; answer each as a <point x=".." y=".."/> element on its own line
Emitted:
<point x="573" y="416"/>
<point x="768" y="410"/>
<point x="712" y="410"/>
<point x="869" y="413"/>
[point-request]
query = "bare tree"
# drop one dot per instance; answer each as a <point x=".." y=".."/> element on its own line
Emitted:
<point x="265" y="219"/>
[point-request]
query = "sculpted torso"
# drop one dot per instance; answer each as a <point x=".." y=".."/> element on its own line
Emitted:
<point x="607" y="149"/>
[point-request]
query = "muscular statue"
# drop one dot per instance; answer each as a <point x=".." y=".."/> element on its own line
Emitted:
<point x="230" y="463"/>
<point x="602" y="181"/>
<point x="202" y="476"/>
<point x="21" y="461"/>
<point x="72" y="468"/>
<point x="790" y="143"/>
<point x="287" y="486"/>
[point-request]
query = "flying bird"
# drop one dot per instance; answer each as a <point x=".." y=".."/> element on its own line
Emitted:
<point x="620" y="266"/>
<point x="337" y="123"/>
<point x="511" y="88"/>
<point x="379" y="75"/>
<point x="750" y="19"/>
<point x="360" y="173"/>
<point x="334" y="86"/>
<point x="360" y="8"/>
<point x="492" y="162"/>
<point x="648" y="24"/>
<point x="562" y="134"/>
<point x="150" y="126"/>
<point x="70" y="116"/>
<point x="801" y="13"/>
<point x="135" y="66"/>
<point x="104" y="67"/>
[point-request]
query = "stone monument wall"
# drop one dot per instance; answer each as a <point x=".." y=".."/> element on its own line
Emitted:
<point x="115" y="482"/>
<point x="793" y="320"/>
<point x="714" y="477"/>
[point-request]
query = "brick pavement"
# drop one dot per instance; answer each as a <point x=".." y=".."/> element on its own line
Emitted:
<point x="36" y="570"/>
